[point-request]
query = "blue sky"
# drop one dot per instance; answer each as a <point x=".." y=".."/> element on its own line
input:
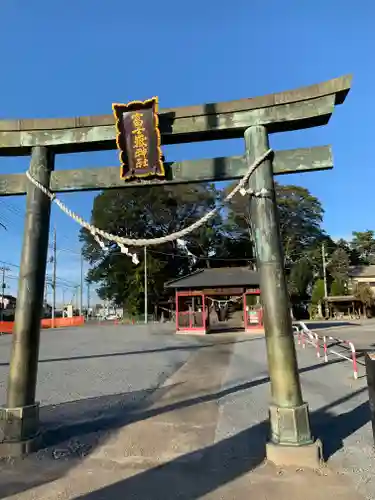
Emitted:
<point x="75" y="58"/>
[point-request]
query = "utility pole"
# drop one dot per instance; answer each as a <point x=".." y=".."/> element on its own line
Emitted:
<point x="3" y="285"/>
<point x="324" y="263"/>
<point x="88" y="299"/>
<point x="324" y="270"/>
<point x="77" y="297"/>
<point x="54" y="263"/>
<point x="145" y="286"/>
<point x="81" y="289"/>
<point x="45" y="294"/>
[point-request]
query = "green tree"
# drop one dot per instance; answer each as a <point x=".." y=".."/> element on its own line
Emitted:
<point x="148" y="213"/>
<point x="300" y="215"/>
<point x="314" y="254"/>
<point x="338" y="266"/>
<point x="354" y="257"/>
<point x="338" y="288"/>
<point x="317" y="294"/>
<point x="300" y="278"/>
<point x="363" y="243"/>
<point x="158" y="211"/>
<point x="234" y="250"/>
<point x="363" y="292"/>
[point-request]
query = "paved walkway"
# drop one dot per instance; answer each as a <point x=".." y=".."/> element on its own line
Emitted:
<point x="200" y="435"/>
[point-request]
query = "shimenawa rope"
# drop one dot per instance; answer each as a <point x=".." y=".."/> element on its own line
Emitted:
<point x="121" y="241"/>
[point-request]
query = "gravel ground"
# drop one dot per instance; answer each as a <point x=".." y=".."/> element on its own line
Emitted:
<point x="361" y="333"/>
<point x="100" y="370"/>
<point x="96" y="361"/>
<point x="338" y="404"/>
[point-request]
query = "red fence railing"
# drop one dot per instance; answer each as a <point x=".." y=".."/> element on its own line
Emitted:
<point x="307" y="337"/>
<point x="7" y="326"/>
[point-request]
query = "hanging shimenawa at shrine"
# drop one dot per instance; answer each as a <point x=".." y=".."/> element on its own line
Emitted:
<point x="218" y="300"/>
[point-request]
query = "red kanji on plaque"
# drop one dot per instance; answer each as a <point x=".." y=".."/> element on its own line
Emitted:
<point x="138" y="139"/>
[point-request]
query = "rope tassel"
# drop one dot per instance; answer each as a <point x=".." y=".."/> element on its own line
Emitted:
<point x="258" y="194"/>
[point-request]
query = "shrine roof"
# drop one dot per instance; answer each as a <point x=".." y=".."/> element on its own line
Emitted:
<point x="362" y="271"/>
<point x="216" y="278"/>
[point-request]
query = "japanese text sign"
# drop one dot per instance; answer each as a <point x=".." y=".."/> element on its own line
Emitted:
<point x="138" y="139"/>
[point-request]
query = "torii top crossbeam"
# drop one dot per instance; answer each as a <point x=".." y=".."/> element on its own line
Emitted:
<point x="294" y="109"/>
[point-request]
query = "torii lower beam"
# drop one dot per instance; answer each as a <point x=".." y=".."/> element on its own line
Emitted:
<point x="184" y="172"/>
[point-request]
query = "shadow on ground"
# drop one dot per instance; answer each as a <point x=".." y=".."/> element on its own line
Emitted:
<point x="197" y="474"/>
<point x="333" y="429"/>
<point x="108" y="413"/>
<point x="328" y="324"/>
<point x="73" y="430"/>
<point x="190" y="347"/>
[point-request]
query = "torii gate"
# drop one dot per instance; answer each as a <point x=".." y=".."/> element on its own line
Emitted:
<point x="254" y="119"/>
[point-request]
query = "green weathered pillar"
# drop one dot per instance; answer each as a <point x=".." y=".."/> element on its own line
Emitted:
<point x="289" y="417"/>
<point x="19" y="421"/>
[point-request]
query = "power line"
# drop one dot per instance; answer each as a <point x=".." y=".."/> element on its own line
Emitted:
<point x="15" y="216"/>
<point x="63" y="281"/>
<point x="252" y="259"/>
<point x="9" y="264"/>
<point x="12" y="208"/>
<point x="218" y="259"/>
<point x="201" y="258"/>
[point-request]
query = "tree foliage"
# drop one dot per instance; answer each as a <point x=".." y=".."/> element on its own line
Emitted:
<point x="354" y="257"/>
<point x="301" y="215"/>
<point x="300" y="279"/>
<point x="338" y="265"/>
<point x="317" y="294"/>
<point x="153" y="212"/>
<point x="364" y="293"/>
<point x="363" y="243"/>
<point x="149" y="213"/>
<point x="338" y="288"/>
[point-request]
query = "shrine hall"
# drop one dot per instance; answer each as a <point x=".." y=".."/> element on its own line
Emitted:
<point x="218" y="300"/>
